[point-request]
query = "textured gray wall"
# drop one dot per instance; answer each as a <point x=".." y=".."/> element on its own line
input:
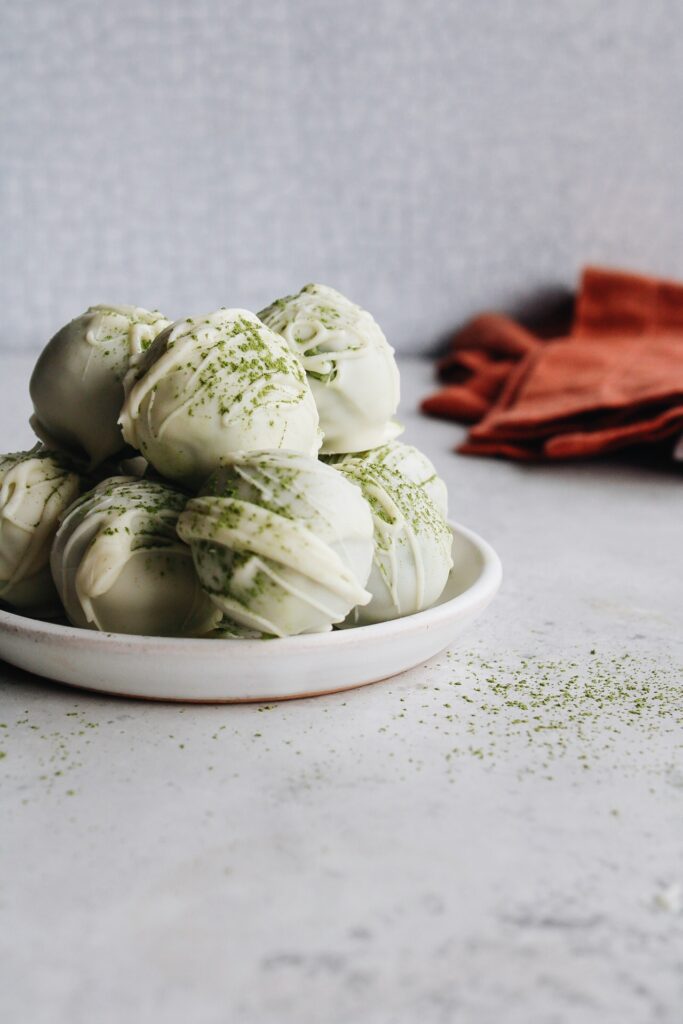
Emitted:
<point x="426" y="157"/>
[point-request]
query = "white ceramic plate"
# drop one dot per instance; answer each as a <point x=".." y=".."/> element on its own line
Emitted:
<point x="161" y="668"/>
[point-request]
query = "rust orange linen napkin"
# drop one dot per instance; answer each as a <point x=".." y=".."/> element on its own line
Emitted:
<point x="616" y="379"/>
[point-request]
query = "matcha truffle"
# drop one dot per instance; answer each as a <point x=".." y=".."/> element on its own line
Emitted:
<point x="35" y="488"/>
<point x="214" y="385"/>
<point x="282" y="542"/>
<point x="412" y="556"/>
<point x="349" y="364"/>
<point x="77" y="383"/>
<point x="120" y="567"/>
<point x="410" y="462"/>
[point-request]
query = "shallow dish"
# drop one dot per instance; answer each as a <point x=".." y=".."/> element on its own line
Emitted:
<point x="161" y="668"/>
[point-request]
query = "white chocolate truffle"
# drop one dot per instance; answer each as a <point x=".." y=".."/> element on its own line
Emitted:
<point x="412" y="557"/>
<point x="350" y="366"/>
<point x="411" y="463"/>
<point x="214" y="385"/>
<point x="120" y="567"/>
<point x="281" y="542"/>
<point x="77" y="383"/>
<point x="35" y="488"/>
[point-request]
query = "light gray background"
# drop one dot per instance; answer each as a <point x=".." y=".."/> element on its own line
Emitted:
<point x="428" y="158"/>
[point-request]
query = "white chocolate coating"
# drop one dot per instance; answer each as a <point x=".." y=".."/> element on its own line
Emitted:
<point x="35" y="488"/>
<point x="120" y="567"/>
<point x="77" y="383"/>
<point x="282" y="542"/>
<point x="213" y="385"/>
<point x="411" y="463"/>
<point x="350" y="366"/>
<point x="412" y="557"/>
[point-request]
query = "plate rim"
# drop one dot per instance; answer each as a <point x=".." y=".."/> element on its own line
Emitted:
<point x="484" y="588"/>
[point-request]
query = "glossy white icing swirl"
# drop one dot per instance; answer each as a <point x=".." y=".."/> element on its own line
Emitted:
<point x="213" y="385"/>
<point x="350" y="365"/>
<point x="35" y="488"/>
<point x="77" y="383"/>
<point x="119" y="565"/>
<point x="412" y="556"/>
<point x="281" y="542"/>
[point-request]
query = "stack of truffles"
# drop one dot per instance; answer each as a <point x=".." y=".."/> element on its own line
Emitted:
<point x="227" y="475"/>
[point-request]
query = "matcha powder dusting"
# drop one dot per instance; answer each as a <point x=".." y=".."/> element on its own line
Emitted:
<point x="523" y="715"/>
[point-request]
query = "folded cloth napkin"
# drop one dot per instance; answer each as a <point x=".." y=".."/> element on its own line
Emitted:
<point x="615" y="380"/>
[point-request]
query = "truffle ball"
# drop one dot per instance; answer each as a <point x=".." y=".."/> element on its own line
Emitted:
<point x="281" y="542"/>
<point x="35" y="488"/>
<point x="410" y="462"/>
<point x="120" y="567"/>
<point x="412" y="555"/>
<point x="213" y="385"/>
<point x="349" y="363"/>
<point x="77" y="383"/>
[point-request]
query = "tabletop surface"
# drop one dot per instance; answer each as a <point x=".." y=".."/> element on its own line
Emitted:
<point x="496" y="836"/>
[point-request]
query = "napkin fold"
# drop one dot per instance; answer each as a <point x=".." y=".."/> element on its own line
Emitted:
<point x="615" y="380"/>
